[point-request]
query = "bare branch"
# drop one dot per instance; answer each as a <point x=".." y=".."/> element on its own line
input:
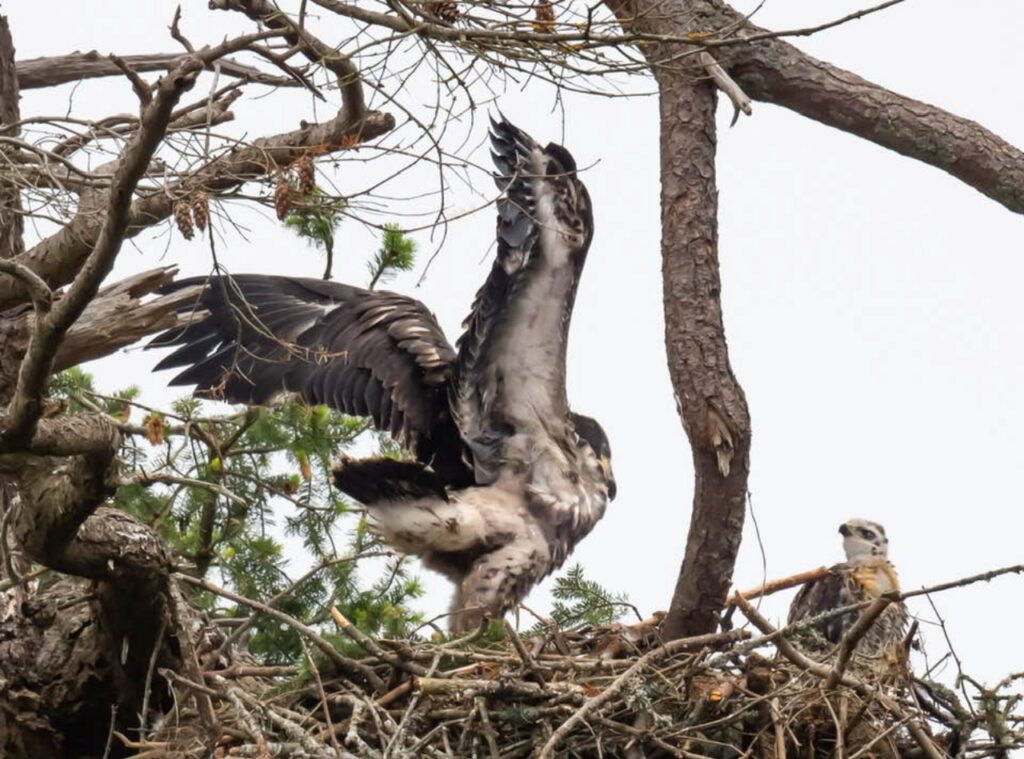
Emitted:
<point x="56" y="256"/>
<point x="774" y="586"/>
<point x="853" y="636"/>
<point x="38" y="290"/>
<point x="724" y="82"/>
<point x="316" y="51"/>
<point x="777" y="72"/>
<point x="17" y="426"/>
<point x="344" y="663"/>
<point x="117" y="317"/>
<point x="139" y="84"/>
<point x="36" y="73"/>
<point x="673" y="647"/>
<point x="787" y="649"/>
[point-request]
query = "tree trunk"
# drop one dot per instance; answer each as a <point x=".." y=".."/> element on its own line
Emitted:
<point x="711" y="402"/>
<point x="11" y="225"/>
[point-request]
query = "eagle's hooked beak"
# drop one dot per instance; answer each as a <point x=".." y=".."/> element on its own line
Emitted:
<point x="606" y="470"/>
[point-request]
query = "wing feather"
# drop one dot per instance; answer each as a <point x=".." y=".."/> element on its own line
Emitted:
<point x="832" y="591"/>
<point x="365" y="353"/>
<point x="489" y="404"/>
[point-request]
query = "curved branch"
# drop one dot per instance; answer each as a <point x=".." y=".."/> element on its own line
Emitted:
<point x="38" y="290"/>
<point x="353" y="109"/>
<point x="776" y="72"/>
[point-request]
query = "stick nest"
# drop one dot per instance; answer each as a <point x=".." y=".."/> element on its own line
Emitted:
<point x="615" y="691"/>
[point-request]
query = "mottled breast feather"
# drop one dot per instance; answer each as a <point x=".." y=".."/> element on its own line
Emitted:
<point x="839" y="588"/>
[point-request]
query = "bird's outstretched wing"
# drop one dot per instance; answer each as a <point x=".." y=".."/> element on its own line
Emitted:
<point x="366" y="353"/>
<point x="510" y="371"/>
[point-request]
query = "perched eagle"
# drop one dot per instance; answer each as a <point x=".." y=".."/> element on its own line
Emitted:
<point x="506" y="479"/>
<point x="866" y="574"/>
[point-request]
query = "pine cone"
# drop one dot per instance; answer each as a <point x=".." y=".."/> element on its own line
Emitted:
<point x="183" y="218"/>
<point x="305" y="170"/>
<point x="305" y="469"/>
<point x="447" y="11"/>
<point x="283" y="198"/>
<point x="201" y="210"/>
<point x="545" y="17"/>
<point x="154" y="424"/>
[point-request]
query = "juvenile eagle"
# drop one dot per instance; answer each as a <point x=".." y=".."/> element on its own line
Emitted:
<point x="506" y="479"/>
<point x="866" y="574"/>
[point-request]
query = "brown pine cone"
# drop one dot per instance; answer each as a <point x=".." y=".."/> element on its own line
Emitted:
<point x="283" y="198"/>
<point x="305" y="170"/>
<point x="545" y="17"/>
<point x="447" y="11"/>
<point x="154" y="424"/>
<point x="183" y="218"/>
<point x="201" y="210"/>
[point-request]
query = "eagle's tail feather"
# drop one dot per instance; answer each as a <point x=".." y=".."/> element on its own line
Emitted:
<point x="370" y="481"/>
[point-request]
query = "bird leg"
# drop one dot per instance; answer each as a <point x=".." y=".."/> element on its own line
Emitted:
<point x="496" y="582"/>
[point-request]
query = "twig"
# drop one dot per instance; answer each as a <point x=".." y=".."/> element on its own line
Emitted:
<point x="853" y="636"/>
<point x="371" y="647"/>
<point x="782" y="583"/>
<point x="724" y="82"/>
<point x="343" y="662"/>
<point x="485" y="721"/>
<point x="110" y="734"/>
<point x="788" y="650"/>
<point x="38" y="290"/>
<point x="157" y="643"/>
<point x="176" y="31"/>
<point x="140" y="86"/>
<point x="528" y="660"/>
<point x="670" y="648"/>
<point x="242" y="628"/>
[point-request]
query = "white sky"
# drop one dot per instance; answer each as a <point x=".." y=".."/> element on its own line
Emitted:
<point x="872" y="304"/>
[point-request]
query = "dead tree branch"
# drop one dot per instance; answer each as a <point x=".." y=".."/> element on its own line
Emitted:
<point x="23" y="411"/>
<point x="36" y="73"/>
<point x="775" y="71"/>
<point x="853" y="636"/>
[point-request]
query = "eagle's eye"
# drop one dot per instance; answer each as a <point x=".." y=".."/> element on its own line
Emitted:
<point x="866" y="534"/>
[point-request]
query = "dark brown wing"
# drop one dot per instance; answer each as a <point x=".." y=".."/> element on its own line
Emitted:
<point x="832" y="591"/>
<point x="365" y="353"/>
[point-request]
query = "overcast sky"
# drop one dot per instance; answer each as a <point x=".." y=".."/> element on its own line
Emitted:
<point x="872" y="304"/>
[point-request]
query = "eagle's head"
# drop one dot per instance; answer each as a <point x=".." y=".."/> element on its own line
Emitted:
<point x="863" y="539"/>
<point x="593" y="436"/>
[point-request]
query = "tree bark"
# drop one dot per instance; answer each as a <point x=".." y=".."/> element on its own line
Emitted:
<point x="775" y="71"/>
<point x="36" y="73"/>
<point x="11" y="223"/>
<point x="711" y="401"/>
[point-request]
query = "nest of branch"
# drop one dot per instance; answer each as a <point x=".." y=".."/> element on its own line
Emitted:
<point x="616" y="691"/>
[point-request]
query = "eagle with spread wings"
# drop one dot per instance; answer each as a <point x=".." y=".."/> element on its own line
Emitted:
<point x="865" y="575"/>
<point x="505" y="479"/>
